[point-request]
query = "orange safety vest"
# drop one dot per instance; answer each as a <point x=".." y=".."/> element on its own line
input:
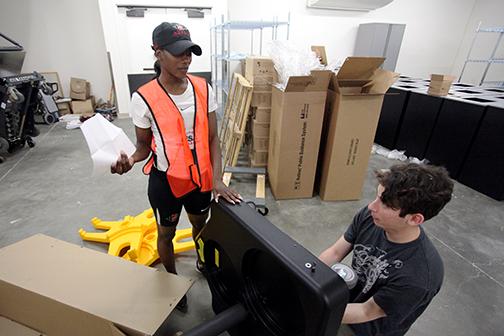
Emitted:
<point x="186" y="171"/>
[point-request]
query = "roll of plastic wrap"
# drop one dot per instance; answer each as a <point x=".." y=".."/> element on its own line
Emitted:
<point x="346" y="273"/>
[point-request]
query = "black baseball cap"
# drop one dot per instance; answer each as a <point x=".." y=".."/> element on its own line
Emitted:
<point x="175" y="38"/>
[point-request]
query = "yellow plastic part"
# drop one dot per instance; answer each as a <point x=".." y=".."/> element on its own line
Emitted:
<point x="200" y="249"/>
<point x="139" y="234"/>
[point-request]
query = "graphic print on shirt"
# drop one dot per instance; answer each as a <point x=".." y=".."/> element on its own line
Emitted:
<point x="187" y="113"/>
<point x="190" y="138"/>
<point x="371" y="264"/>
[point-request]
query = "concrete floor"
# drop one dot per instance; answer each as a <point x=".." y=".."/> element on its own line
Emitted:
<point x="49" y="189"/>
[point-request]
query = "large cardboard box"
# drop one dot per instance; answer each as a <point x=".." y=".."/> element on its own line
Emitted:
<point x="11" y="328"/>
<point x="80" y="89"/>
<point x="296" y="124"/>
<point x="355" y="97"/>
<point x="258" y="66"/>
<point x="60" y="289"/>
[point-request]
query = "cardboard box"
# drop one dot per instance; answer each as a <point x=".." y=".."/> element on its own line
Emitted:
<point x="260" y="143"/>
<point x="261" y="99"/>
<point x="266" y="87"/>
<point x="12" y="328"/>
<point x="62" y="289"/>
<point x="259" y="157"/>
<point x="258" y="66"/>
<point x="80" y="89"/>
<point x="263" y="83"/>
<point x="83" y="106"/>
<point x="261" y="114"/>
<point x="64" y="108"/>
<point x="260" y="129"/>
<point x="257" y="164"/>
<point x="321" y="54"/>
<point x="353" y="108"/>
<point x="296" y="124"/>
<point x="440" y="84"/>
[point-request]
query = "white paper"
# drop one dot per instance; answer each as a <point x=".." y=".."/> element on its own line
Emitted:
<point x="105" y="142"/>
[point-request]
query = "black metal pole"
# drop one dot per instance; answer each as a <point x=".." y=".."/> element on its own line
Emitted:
<point x="220" y="323"/>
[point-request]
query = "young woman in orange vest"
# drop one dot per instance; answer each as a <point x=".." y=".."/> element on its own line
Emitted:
<point x="175" y="122"/>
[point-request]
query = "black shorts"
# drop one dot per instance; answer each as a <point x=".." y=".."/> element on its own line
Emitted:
<point x="167" y="207"/>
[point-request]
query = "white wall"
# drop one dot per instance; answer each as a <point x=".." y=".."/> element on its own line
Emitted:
<point x="72" y="37"/>
<point x="491" y="14"/>
<point x="114" y="23"/>
<point x="62" y="36"/>
<point x="431" y="42"/>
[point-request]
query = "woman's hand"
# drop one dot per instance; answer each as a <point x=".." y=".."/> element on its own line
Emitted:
<point x="221" y="190"/>
<point x="122" y="165"/>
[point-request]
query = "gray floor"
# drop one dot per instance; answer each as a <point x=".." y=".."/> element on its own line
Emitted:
<point x="49" y="189"/>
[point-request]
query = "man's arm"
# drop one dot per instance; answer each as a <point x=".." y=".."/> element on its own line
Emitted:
<point x="220" y="188"/>
<point x="336" y="252"/>
<point x="123" y="163"/>
<point x="362" y="312"/>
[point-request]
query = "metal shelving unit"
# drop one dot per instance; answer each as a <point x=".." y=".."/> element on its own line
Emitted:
<point x="222" y="55"/>
<point x="491" y="60"/>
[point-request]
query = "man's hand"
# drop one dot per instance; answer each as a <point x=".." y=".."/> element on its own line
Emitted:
<point x="221" y="190"/>
<point x="122" y="165"/>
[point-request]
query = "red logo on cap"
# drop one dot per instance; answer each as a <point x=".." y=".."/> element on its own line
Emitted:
<point x="180" y="31"/>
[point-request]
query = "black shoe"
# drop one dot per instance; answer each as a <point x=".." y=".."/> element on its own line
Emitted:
<point x="182" y="305"/>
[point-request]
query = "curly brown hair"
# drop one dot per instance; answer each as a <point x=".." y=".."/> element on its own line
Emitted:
<point x="415" y="188"/>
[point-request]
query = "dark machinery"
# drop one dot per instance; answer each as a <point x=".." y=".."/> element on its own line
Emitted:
<point x="21" y="97"/>
<point x="18" y="103"/>
<point x="263" y="282"/>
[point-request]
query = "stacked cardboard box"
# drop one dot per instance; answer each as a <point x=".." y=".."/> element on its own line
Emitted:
<point x="80" y="92"/>
<point x="260" y="72"/>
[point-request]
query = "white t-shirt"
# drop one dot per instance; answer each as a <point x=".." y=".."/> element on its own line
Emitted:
<point x="142" y="117"/>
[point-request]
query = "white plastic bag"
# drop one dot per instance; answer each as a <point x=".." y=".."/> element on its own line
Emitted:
<point x="291" y="61"/>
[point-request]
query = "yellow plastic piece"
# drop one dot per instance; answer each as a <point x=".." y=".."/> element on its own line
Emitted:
<point x="200" y="249"/>
<point x="217" y="258"/>
<point x="139" y="234"/>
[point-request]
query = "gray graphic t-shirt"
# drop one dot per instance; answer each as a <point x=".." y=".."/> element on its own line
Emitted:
<point x="402" y="278"/>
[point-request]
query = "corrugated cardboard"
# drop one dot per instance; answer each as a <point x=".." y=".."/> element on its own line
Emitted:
<point x="83" y="106"/>
<point x="260" y="129"/>
<point x="11" y="328"/>
<point x="63" y="289"/>
<point x="263" y="83"/>
<point x="256" y="66"/>
<point x="321" y="54"/>
<point x="80" y="89"/>
<point x="261" y="99"/>
<point x="259" y="157"/>
<point x="296" y="124"/>
<point x="261" y="114"/>
<point x="353" y="108"/>
<point x="260" y="143"/>
<point x="440" y="84"/>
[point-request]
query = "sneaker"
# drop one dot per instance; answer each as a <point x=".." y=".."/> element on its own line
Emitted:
<point x="182" y="305"/>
